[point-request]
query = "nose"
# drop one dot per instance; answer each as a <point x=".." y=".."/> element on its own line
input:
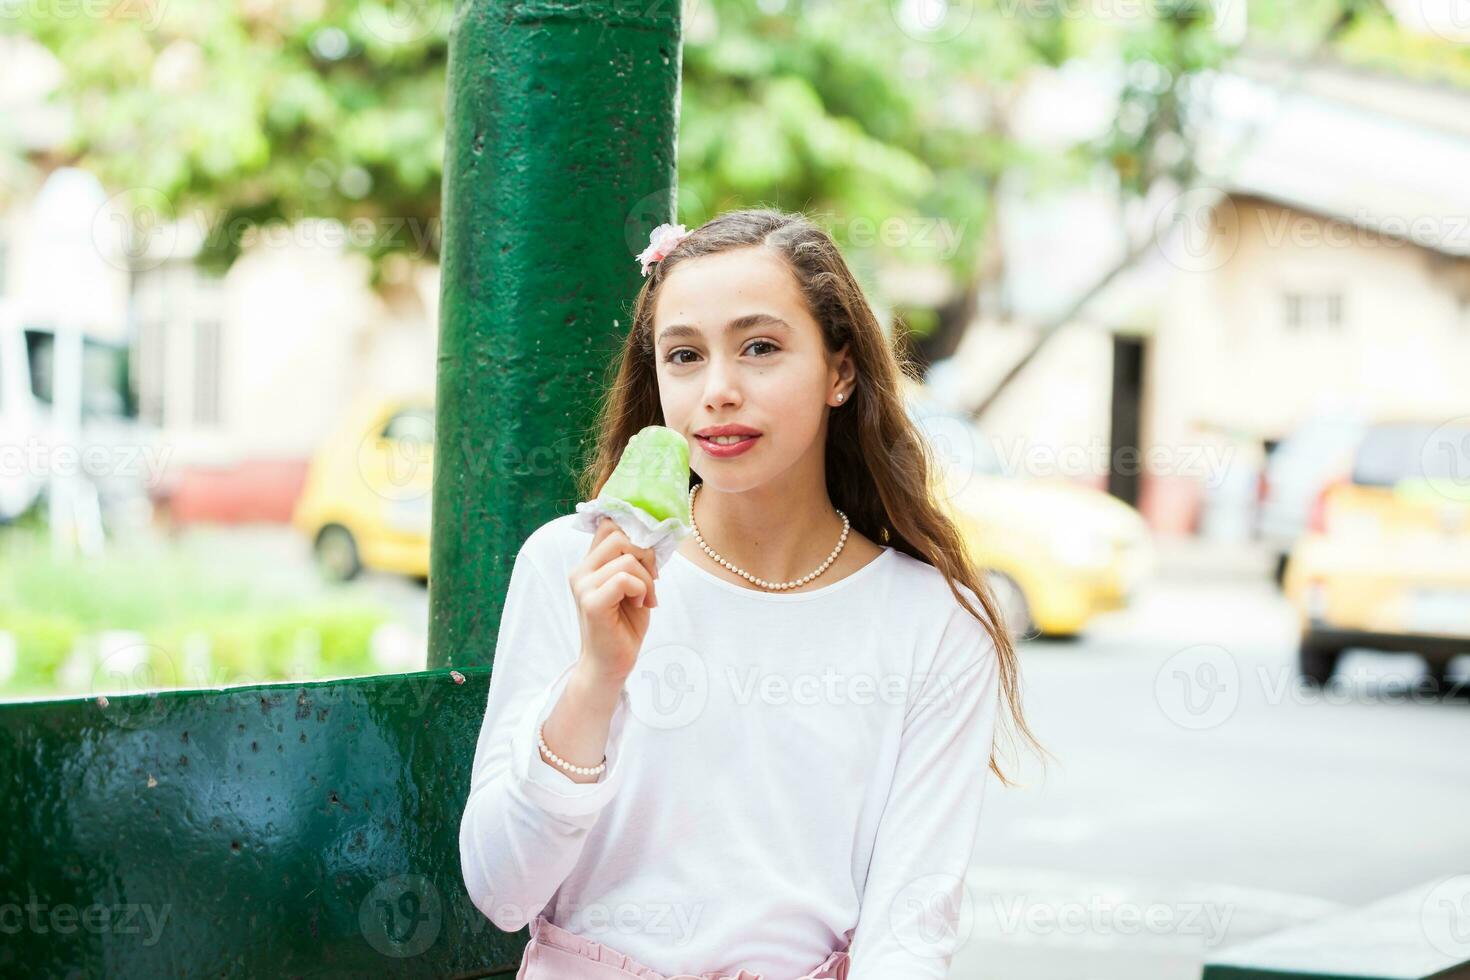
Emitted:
<point x="721" y="384"/>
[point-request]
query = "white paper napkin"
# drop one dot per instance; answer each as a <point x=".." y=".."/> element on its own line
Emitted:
<point x="640" y="527"/>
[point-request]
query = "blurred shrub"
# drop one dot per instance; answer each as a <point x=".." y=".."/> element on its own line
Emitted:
<point x="42" y="642"/>
<point x="200" y="627"/>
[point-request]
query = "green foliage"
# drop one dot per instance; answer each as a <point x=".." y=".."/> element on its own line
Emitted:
<point x="267" y="110"/>
<point x="1375" y="41"/>
<point x="252" y="631"/>
<point x="42" y="642"/>
<point x="262" y="111"/>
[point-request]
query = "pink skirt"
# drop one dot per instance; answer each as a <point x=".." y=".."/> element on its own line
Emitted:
<point x="555" y="953"/>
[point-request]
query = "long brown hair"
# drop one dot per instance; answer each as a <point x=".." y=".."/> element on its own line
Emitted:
<point x="879" y="466"/>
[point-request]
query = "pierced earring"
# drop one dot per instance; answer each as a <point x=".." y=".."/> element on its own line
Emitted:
<point x="840" y="396"/>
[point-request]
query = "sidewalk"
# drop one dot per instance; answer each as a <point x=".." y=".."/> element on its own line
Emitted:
<point x="1192" y="558"/>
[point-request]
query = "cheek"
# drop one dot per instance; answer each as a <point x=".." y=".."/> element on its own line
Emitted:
<point x="679" y="400"/>
<point x="791" y="400"/>
<point x="672" y="390"/>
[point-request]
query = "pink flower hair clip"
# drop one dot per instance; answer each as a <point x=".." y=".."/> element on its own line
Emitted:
<point x="664" y="239"/>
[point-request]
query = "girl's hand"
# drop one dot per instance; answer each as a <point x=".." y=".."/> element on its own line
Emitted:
<point x="614" y="591"/>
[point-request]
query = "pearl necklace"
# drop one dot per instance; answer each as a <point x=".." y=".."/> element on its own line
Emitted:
<point x="774" y="586"/>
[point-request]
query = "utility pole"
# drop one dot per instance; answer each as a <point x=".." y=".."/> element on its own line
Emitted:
<point x="560" y="153"/>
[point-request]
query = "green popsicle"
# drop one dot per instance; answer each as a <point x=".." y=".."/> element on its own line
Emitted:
<point x="653" y="474"/>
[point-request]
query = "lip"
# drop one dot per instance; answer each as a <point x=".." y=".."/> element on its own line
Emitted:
<point x="728" y="429"/>
<point x="725" y="452"/>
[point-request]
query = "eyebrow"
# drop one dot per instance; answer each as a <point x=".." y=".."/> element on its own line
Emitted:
<point x="747" y="322"/>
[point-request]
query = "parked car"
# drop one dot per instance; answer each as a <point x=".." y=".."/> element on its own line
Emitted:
<point x="1304" y="462"/>
<point x="1057" y="553"/>
<point x="367" y="495"/>
<point x="109" y="448"/>
<point x="1386" y="565"/>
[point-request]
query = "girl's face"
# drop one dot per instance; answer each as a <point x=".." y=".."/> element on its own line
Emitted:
<point x="735" y="344"/>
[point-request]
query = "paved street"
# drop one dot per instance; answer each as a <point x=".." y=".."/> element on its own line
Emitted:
<point x="1200" y="798"/>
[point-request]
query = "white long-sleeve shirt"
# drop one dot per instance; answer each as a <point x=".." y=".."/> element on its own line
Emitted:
<point x="781" y="767"/>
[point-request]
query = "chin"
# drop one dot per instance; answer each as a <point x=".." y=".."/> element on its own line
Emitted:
<point x="730" y="481"/>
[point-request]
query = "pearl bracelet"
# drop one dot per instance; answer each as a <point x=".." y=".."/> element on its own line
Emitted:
<point x="564" y="764"/>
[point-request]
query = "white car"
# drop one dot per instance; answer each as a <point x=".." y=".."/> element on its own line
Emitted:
<point x="1297" y="470"/>
<point x="109" y="442"/>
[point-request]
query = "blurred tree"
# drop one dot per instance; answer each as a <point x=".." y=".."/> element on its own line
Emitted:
<point x="893" y="120"/>
<point x="259" y="111"/>
<point x="887" y="119"/>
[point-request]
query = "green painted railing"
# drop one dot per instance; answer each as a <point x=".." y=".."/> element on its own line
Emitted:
<point x="1422" y="933"/>
<point x="272" y="830"/>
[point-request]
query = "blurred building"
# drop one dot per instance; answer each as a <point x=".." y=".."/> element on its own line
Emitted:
<point x="246" y="374"/>
<point x="1325" y="269"/>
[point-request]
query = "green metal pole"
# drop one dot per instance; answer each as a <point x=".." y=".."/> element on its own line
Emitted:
<point x="559" y="154"/>
<point x="312" y="829"/>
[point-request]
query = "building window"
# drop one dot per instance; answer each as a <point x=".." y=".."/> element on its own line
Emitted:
<point x="206" y="372"/>
<point x="179" y="341"/>
<point x="151" y="369"/>
<point x="1312" y="311"/>
<point x="1293" y="311"/>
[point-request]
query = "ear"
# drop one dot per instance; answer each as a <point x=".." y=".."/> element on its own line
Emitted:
<point x="841" y="377"/>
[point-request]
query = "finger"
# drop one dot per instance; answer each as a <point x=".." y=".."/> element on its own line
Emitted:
<point x="621" y="564"/>
<point x="598" y="553"/>
<point x="635" y="616"/>
<point x="617" y="543"/>
<point x="620" y="585"/>
<point x="592" y="572"/>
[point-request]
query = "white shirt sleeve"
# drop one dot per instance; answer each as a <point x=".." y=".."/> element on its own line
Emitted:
<point x="525" y="822"/>
<point x="914" y="898"/>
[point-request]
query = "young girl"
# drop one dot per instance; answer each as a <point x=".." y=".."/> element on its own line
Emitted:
<point x="765" y="759"/>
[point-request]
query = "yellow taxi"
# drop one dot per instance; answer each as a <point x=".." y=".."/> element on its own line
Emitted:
<point x="1385" y="564"/>
<point x="1057" y="553"/>
<point x="367" y="495"/>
